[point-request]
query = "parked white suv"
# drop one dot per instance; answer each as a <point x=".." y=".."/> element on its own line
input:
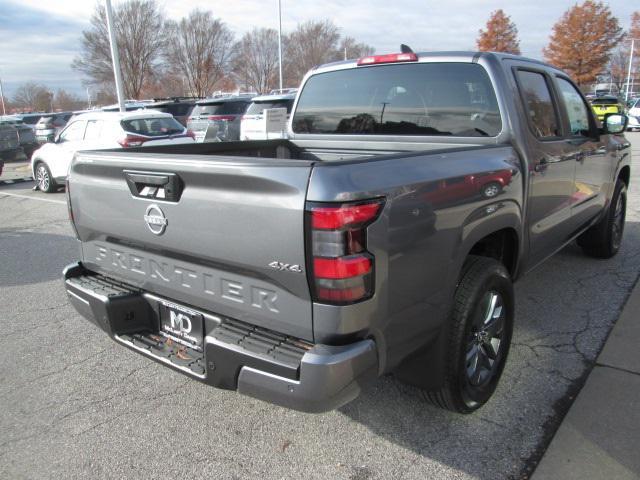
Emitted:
<point x="253" y="126"/>
<point x="102" y="130"/>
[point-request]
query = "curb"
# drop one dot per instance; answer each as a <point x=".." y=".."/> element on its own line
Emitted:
<point x="16" y="180"/>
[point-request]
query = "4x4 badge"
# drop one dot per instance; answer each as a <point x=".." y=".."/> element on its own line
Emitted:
<point x="285" y="267"/>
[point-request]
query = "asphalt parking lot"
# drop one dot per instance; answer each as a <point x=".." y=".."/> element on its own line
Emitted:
<point x="76" y="405"/>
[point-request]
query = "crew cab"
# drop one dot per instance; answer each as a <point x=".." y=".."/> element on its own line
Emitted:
<point x="299" y="270"/>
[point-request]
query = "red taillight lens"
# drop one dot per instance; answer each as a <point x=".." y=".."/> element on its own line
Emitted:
<point x="332" y="218"/>
<point x="341" y="269"/>
<point x="132" y="141"/>
<point x="224" y="118"/>
<point x="390" y="58"/>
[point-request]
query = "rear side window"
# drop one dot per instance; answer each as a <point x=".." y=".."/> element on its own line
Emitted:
<point x="153" y="127"/>
<point x="256" y="108"/>
<point x="455" y="99"/>
<point x="576" y="109"/>
<point x="538" y="104"/>
<point x="220" y="108"/>
<point x="94" y="130"/>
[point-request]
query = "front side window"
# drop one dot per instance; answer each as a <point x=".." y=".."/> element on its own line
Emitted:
<point x="74" y="132"/>
<point x="576" y="109"/>
<point x="447" y="99"/>
<point x="538" y="104"/>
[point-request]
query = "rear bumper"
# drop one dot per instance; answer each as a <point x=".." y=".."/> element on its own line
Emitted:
<point x="237" y="356"/>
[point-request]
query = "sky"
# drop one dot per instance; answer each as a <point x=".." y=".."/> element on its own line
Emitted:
<point x="39" y="38"/>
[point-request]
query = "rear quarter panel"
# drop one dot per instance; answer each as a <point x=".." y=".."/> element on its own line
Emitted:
<point x="434" y="213"/>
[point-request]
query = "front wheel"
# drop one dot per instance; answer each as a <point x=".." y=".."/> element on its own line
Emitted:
<point x="44" y="180"/>
<point x="481" y="326"/>
<point x="603" y="240"/>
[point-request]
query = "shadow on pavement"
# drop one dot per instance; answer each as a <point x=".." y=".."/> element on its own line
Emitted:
<point x="32" y="257"/>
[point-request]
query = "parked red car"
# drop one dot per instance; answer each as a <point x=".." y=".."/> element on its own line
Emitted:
<point x="488" y="184"/>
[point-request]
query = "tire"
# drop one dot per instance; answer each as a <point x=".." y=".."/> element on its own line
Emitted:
<point x="479" y="338"/>
<point x="603" y="240"/>
<point x="491" y="190"/>
<point x="44" y="180"/>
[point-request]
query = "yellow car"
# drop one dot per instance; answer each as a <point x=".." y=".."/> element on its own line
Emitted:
<point x="606" y="104"/>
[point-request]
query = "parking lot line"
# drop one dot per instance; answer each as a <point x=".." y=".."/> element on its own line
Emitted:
<point x="33" y="198"/>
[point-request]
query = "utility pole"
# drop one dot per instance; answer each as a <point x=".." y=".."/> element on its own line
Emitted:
<point x="629" y="72"/>
<point x="88" y="99"/>
<point x="280" y="41"/>
<point x="4" y="112"/>
<point x="114" y="56"/>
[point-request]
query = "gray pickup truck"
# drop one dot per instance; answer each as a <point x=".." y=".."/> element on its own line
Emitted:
<point x="384" y="236"/>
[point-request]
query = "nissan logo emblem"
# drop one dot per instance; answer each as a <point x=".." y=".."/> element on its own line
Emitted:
<point x="155" y="219"/>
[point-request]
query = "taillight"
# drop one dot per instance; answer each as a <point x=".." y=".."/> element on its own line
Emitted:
<point x="390" y="58"/>
<point x="340" y="267"/>
<point x="224" y="118"/>
<point x="132" y="141"/>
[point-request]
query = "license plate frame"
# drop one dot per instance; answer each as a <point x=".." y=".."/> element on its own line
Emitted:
<point x="182" y="325"/>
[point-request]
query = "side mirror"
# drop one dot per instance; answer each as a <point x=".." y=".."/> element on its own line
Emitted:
<point x="615" y="123"/>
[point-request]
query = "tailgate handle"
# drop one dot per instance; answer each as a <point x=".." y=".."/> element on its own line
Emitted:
<point x="156" y="186"/>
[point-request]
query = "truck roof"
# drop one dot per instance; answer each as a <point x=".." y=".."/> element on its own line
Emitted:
<point x="458" y="56"/>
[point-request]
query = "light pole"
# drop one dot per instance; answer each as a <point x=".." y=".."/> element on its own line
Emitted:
<point x="280" y="41"/>
<point x="4" y="112"/>
<point x="114" y="56"/>
<point x="629" y="72"/>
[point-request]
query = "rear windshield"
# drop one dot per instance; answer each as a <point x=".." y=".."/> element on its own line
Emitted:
<point x="256" y="108"/>
<point x="604" y="101"/>
<point x="220" y="108"/>
<point x="402" y="99"/>
<point x="31" y="120"/>
<point x="153" y="127"/>
<point x="177" y="109"/>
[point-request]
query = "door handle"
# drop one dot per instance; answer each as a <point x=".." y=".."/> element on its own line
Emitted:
<point x="160" y="186"/>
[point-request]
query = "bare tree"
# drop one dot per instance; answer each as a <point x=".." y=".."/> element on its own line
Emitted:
<point x="311" y="43"/>
<point x="138" y="25"/>
<point x="255" y="64"/>
<point x="64" y="100"/>
<point x="350" y="48"/>
<point x="33" y="96"/>
<point x="199" y="48"/>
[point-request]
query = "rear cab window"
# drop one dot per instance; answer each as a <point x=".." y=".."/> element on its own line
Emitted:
<point x="153" y="127"/>
<point x="538" y="103"/>
<point x="441" y="99"/>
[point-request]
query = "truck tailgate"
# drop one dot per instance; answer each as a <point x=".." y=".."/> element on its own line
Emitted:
<point x="209" y="247"/>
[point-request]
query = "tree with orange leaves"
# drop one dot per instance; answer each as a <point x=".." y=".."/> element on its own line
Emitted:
<point x="501" y="35"/>
<point x="582" y="41"/>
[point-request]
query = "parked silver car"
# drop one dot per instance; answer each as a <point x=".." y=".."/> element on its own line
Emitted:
<point x="50" y="125"/>
<point x="218" y="119"/>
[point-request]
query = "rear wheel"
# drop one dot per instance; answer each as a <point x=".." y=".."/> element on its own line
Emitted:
<point x="603" y="240"/>
<point x="44" y="180"/>
<point x="479" y="338"/>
